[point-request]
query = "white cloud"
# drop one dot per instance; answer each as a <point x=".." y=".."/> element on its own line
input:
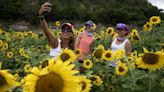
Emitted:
<point x="158" y="3"/>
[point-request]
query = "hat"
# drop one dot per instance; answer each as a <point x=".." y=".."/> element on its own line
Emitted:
<point x="68" y="25"/>
<point x="122" y="26"/>
<point x="89" y="22"/>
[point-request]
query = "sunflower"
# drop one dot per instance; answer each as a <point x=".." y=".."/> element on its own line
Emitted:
<point x="155" y="20"/>
<point x="87" y="64"/>
<point x="58" y="77"/>
<point x="25" y="34"/>
<point x="67" y="55"/>
<point x="148" y="27"/>
<point x="97" y="53"/>
<point x="107" y="55"/>
<point x="76" y="33"/>
<point x="27" y="68"/>
<point x="30" y="34"/>
<point x="48" y="47"/>
<point x="57" y="23"/>
<point x="119" y="53"/>
<point x="151" y="61"/>
<point x="109" y="31"/>
<point x="85" y="84"/>
<point x="114" y="36"/>
<point x="1" y="43"/>
<point x="77" y="52"/>
<point x="5" y="46"/>
<point x="10" y="54"/>
<point x="7" y="81"/>
<point x="134" y="35"/>
<point x="121" y="69"/>
<point x="97" y="80"/>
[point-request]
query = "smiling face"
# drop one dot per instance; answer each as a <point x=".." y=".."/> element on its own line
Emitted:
<point x="66" y="32"/>
<point x="89" y="27"/>
<point x="121" y="32"/>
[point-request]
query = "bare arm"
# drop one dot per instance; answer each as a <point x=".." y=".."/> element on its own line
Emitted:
<point x="53" y="41"/>
<point x="77" y="41"/>
<point x="128" y="48"/>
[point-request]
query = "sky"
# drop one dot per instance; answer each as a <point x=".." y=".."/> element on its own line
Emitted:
<point x="158" y="3"/>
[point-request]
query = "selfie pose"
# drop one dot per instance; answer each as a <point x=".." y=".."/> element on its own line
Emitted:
<point x="56" y="44"/>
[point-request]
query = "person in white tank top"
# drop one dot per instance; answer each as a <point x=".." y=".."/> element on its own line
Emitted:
<point x="56" y="44"/>
<point x="121" y="42"/>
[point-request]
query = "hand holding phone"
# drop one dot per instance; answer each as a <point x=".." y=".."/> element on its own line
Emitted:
<point x="45" y="9"/>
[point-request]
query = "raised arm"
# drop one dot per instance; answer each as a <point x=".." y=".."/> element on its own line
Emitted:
<point x="53" y="41"/>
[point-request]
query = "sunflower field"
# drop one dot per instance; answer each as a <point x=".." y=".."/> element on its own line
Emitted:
<point x="27" y="67"/>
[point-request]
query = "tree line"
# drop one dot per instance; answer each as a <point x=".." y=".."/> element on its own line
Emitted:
<point x="100" y="11"/>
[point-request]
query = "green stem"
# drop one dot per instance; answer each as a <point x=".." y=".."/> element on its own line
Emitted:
<point x="150" y="82"/>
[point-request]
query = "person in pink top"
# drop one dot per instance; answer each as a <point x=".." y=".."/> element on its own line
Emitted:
<point x="85" y="41"/>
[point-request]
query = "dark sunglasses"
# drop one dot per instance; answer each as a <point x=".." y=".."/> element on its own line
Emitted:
<point x="66" y="30"/>
<point x="88" y="25"/>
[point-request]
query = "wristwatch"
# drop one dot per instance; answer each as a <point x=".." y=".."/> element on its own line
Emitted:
<point x="41" y="17"/>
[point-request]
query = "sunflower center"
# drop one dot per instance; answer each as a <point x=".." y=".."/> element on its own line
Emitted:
<point x="2" y="80"/>
<point x="98" y="53"/>
<point x="150" y="58"/>
<point x="121" y="69"/>
<point x="108" y="55"/>
<point x="87" y="63"/>
<point x="51" y="82"/>
<point x="77" y="52"/>
<point x="83" y="85"/>
<point x="64" y="56"/>
<point x="148" y="26"/>
<point x="154" y="20"/>
<point x="109" y="31"/>
<point x="135" y="37"/>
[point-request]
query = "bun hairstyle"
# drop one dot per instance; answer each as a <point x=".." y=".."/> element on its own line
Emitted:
<point x="123" y="26"/>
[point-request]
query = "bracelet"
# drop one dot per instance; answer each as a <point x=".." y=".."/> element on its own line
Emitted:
<point x="41" y="17"/>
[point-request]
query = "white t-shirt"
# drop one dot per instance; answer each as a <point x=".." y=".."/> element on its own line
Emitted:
<point x="54" y="52"/>
<point x="115" y="47"/>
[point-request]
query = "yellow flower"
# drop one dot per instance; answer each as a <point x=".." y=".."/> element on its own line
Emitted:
<point x="119" y="53"/>
<point x="7" y="81"/>
<point x="151" y="61"/>
<point x="1" y="43"/>
<point x="114" y="36"/>
<point x="87" y="64"/>
<point x="155" y="20"/>
<point x="58" y="77"/>
<point x="109" y="31"/>
<point x="148" y="27"/>
<point x="97" y="80"/>
<point x="134" y="35"/>
<point x="85" y="84"/>
<point x="5" y="46"/>
<point x="10" y="54"/>
<point x="77" y="52"/>
<point x="121" y="69"/>
<point x="57" y="23"/>
<point x="107" y="55"/>
<point x="67" y="55"/>
<point x="76" y="33"/>
<point x="27" y="68"/>
<point x="97" y="53"/>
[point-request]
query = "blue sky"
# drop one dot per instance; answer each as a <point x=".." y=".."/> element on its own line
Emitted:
<point x="158" y="3"/>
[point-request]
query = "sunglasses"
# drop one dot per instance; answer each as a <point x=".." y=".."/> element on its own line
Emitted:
<point x="88" y="25"/>
<point x="66" y="30"/>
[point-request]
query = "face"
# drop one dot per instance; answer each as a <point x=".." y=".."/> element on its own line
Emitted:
<point x="121" y="32"/>
<point x="89" y="27"/>
<point x="66" y="33"/>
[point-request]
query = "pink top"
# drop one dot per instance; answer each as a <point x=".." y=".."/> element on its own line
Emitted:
<point x="85" y="42"/>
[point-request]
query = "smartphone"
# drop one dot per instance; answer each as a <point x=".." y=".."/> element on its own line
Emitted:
<point x="49" y="5"/>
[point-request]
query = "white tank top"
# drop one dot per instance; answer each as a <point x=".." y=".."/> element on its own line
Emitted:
<point x="115" y="47"/>
<point x="54" y="52"/>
